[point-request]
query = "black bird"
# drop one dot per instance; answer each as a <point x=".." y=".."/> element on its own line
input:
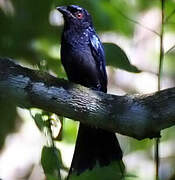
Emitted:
<point x="83" y="58"/>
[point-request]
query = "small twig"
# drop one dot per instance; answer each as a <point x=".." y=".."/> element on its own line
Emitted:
<point x="169" y="16"/>
<point x="169" y="50"/>
<point x="138" y="23"/>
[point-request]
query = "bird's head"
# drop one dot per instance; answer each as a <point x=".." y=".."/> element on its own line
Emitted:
<point x="75" y="15"/>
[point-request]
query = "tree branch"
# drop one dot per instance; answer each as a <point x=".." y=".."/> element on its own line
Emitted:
<point x="138" y="116"/>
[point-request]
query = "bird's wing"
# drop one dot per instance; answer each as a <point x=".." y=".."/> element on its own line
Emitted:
<point x="99" y="57"/>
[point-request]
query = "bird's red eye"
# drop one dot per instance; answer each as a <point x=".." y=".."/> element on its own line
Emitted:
<point x="79" y="15"/>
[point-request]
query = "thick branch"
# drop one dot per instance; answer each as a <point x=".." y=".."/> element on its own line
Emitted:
<point x="138" y="116"/>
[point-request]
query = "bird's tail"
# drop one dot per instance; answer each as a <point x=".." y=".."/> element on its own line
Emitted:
<point x="94" y="147"/>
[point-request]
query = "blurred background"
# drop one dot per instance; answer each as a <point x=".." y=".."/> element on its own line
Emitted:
<point x="30" y="32"/>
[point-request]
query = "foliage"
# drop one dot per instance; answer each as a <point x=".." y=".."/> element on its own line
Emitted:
<point x="102" y="173"/>
<point x="117" y="58"/>
<point x="50" y="164"/>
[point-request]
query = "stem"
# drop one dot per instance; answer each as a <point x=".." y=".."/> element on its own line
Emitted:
<point x="161" y="57"/>
<point x="157" y="160"/>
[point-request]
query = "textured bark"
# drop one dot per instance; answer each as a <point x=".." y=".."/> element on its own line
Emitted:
<point x="138" y="116"/>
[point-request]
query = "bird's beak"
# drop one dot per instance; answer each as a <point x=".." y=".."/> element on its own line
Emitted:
<point x="62" y="9"/>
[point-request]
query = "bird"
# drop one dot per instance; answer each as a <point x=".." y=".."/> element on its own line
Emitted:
<point x="83" y="58"/>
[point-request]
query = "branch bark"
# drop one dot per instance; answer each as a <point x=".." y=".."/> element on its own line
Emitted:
<point x="138" y="116"/>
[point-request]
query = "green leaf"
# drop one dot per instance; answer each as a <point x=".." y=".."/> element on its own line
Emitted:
<point x="117" y="58"/>
<point x="40" y="121"/>
<point x="114" y="171"/>
<point x="50" y="163"/>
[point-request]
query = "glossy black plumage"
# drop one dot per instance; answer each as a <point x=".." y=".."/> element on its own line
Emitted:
<point x="83" y="58"/>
